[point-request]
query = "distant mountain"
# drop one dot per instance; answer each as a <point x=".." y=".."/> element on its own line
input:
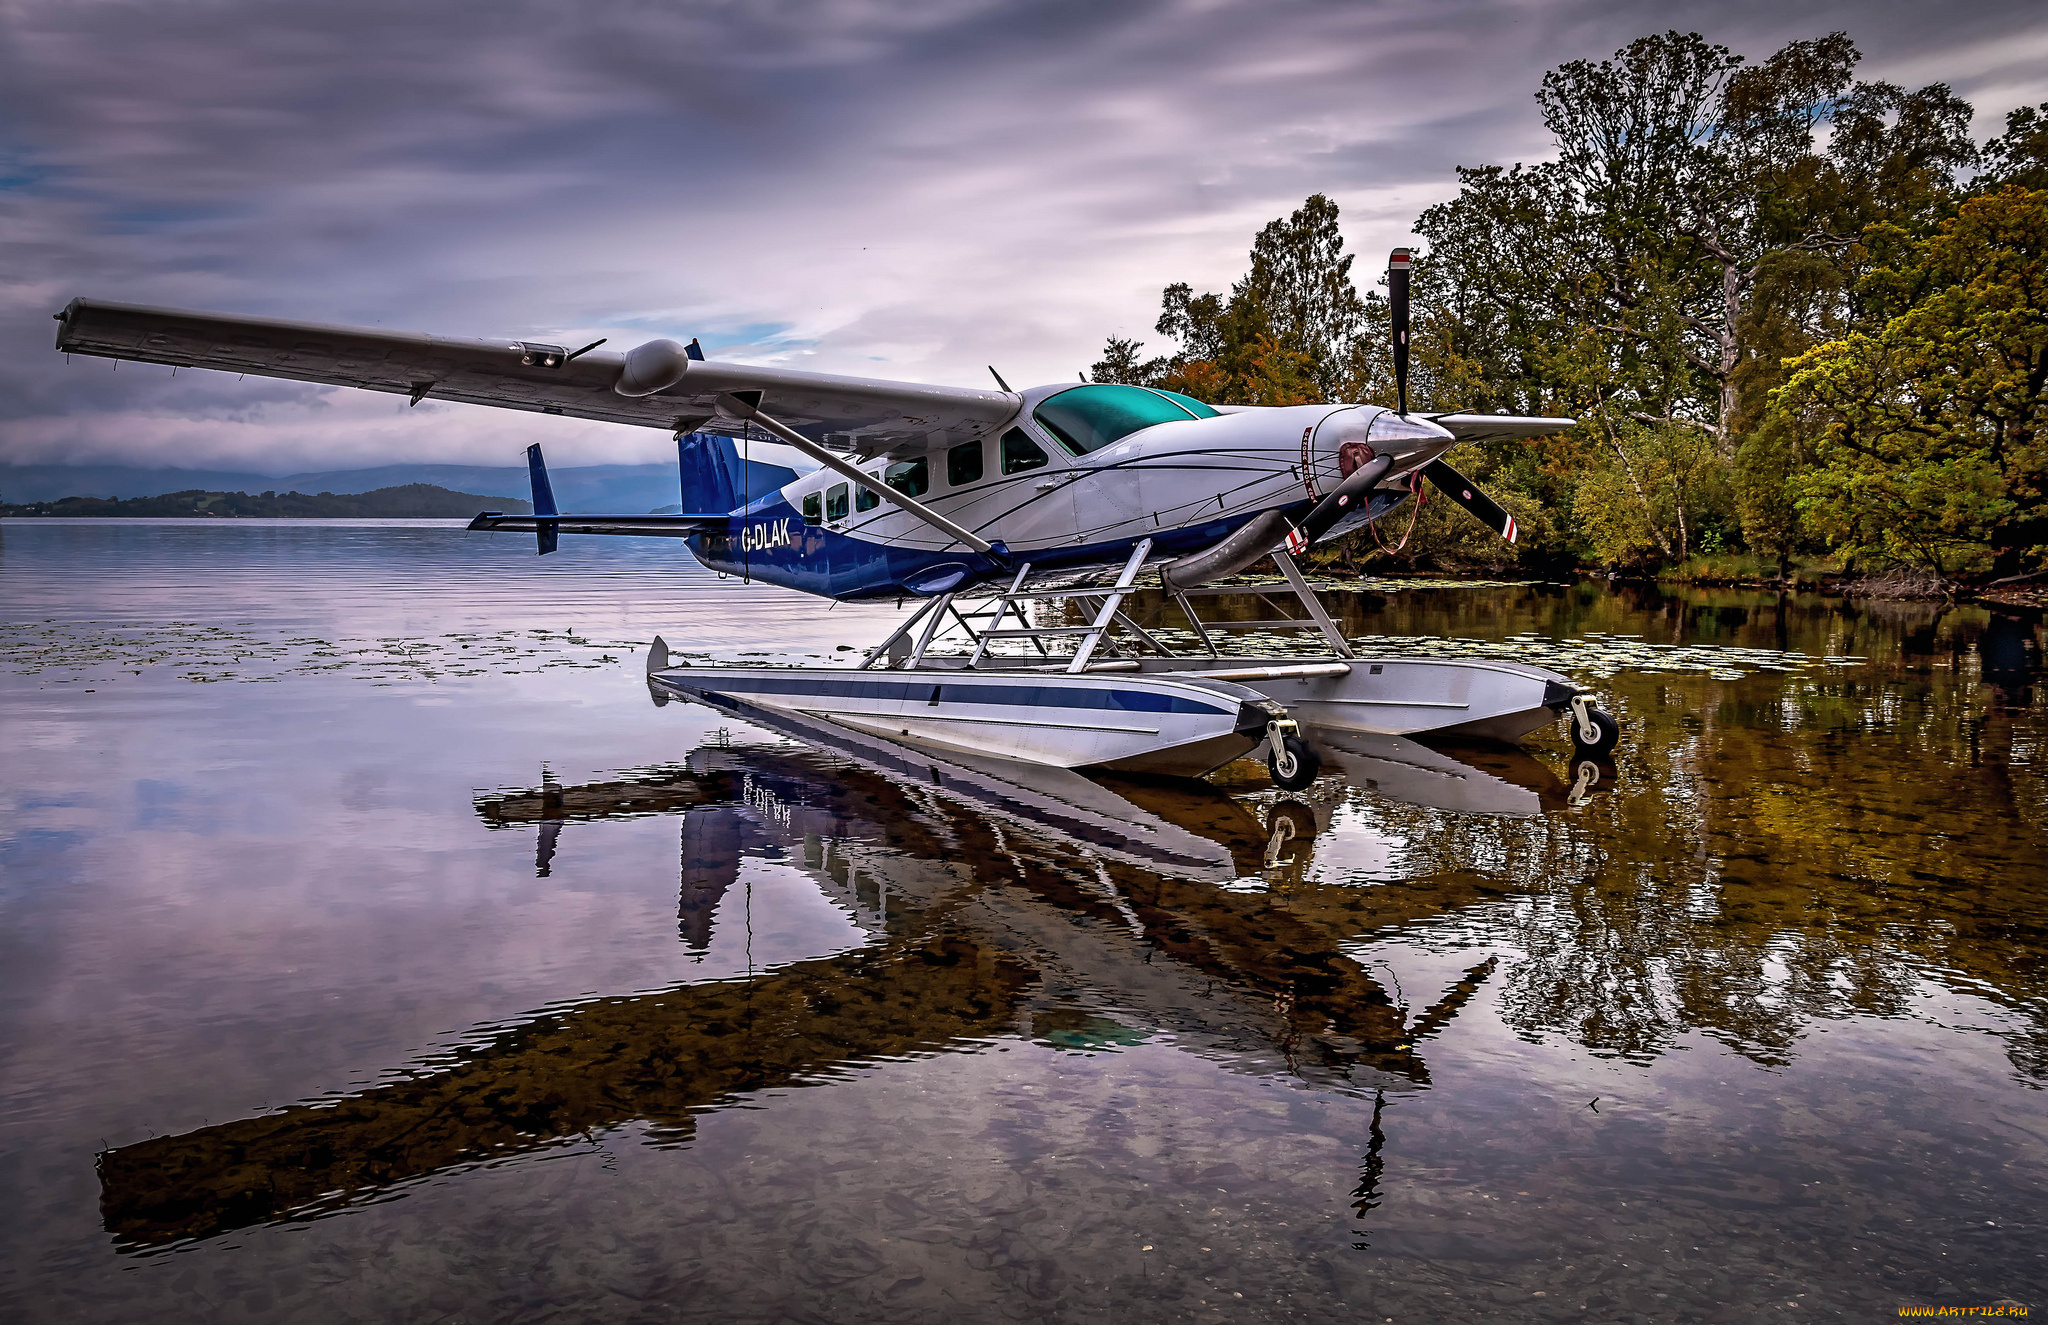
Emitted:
<point x="32" y="483"/>
<point x="617" y="489"/>
<point x="410" y="501"/>
<point x="623" y="489"/>
<point x="592" y="489"/>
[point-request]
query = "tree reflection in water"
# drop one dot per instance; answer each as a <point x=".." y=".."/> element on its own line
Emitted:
<point x="1760" y="859"/>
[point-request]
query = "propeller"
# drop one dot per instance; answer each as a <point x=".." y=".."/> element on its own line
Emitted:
<point x="1448" y="481"/>
<point x="1357" y="488"/>
<point x="1397" y="300"/>
<point x="1466" y="493"/>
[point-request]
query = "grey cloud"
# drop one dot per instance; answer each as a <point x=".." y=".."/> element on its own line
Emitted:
<point x="905" y="189"/>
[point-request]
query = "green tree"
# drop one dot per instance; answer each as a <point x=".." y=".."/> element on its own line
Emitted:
<point x="1928" y="432"/>
<point x="1120" y="363"/>
<point x="2020" y="154"/>
<point x="1689" y="238"/>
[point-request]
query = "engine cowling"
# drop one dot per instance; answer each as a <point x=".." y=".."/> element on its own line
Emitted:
<point x="1349" y="438"/>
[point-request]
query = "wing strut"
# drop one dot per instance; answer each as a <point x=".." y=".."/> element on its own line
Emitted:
<point x="747" y="405"/>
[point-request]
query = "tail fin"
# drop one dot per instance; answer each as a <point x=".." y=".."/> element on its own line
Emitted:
<point x="548" y="536"/>
<point x="715" y="479"/>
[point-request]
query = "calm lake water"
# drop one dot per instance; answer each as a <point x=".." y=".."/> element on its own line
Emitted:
<point x="372" y="948"/>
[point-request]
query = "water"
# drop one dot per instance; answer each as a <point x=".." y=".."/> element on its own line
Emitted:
<point x="373" y="949"/>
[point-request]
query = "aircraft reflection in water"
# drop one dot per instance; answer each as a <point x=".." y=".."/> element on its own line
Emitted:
<point x="1000" y="899"/>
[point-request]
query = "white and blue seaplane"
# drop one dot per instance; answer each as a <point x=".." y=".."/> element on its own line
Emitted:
<point x="990" y="507"/>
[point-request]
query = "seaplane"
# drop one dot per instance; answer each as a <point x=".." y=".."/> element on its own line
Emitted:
<point x="1050" y="507"/>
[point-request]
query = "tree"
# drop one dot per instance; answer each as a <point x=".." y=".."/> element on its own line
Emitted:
<point x="1284" y="335"/>
<point x="1705" y="220"/>
<point x="1120" y="363"/>
<point x="1928" y="433"/>
<point x="2020" y="154"/>
<point x="1298" y="293"/>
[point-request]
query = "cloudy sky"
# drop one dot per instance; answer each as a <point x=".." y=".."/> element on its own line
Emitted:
<point x="907" y="189"/>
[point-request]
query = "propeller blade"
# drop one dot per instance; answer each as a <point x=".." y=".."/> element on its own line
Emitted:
<point x="1346" y="496"/>
<point x="1397" y="300"/>
<point x="1466" y="493"/>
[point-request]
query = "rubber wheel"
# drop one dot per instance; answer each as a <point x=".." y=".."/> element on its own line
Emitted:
<point x="1604" y="723"/>
<point x="1293" y="765"/>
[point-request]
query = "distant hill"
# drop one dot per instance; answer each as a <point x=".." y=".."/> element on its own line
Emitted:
<point x="617" y="489"/>
<point x="409" y="501"/>
<point x="629" y="489"/>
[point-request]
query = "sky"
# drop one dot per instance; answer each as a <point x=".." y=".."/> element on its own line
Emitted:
<point x="912" y="190"/>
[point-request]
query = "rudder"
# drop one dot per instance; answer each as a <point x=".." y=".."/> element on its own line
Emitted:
<point x="714" y="478"/>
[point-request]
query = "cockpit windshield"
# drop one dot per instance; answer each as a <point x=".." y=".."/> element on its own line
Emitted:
<point x="1088" y="418"/>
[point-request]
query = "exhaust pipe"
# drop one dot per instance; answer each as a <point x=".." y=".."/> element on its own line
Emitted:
<point x="1265" y="532"/>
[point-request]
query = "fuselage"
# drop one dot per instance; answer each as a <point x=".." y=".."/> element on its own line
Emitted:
<point x="1069" y="482"/>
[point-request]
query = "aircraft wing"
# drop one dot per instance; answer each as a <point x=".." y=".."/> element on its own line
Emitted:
<point x="1497" y="427"/>
<point x="868" y="416"/>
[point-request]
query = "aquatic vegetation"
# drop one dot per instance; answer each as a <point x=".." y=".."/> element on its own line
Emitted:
<point x="63" y="653"/>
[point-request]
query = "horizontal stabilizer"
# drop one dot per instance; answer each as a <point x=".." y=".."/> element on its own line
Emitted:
<point x="642" y="526"/>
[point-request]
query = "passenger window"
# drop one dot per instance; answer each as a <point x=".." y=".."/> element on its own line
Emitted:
<point x="1021" y="453"/>
<point x="811" y="515"/>
<point x="835" y="502"/>
<point x="912" y="478"/>
<point x="963" y="464"/>
<point x="866" y="499"/>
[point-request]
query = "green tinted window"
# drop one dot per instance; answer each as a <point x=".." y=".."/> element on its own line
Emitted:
<point x="866" y="499"/>
<point x="1088" y="418"/>
<point x="812" y="512"/>
<point x="963" y="464"/>
<point x="909" y="477"/>
<point x="1021" y="453"/>
<point x="835" y="502"/>
<point x="1189" y="403"/>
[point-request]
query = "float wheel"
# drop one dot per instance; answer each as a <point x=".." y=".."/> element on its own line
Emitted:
<point x="1291" y="762"/>
<point x="1607" y="733"/>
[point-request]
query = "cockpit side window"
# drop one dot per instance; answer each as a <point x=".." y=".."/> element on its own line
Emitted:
<point x="1088" y="418"/>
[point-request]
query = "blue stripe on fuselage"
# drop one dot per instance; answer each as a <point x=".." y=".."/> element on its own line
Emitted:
<point x="770" y="541"/>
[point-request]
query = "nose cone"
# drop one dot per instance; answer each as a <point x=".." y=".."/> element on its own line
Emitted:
<point x="1349" y="438"/>
<point x="1390" y="434"/>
